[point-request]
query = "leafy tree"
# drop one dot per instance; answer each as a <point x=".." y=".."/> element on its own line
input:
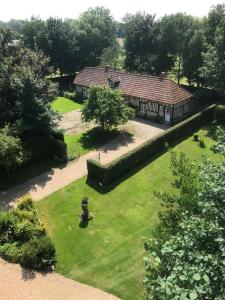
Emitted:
<point x="12" y="153"/>
<point x="106" y="107"/>
<point x="113" y="56"/>
<point x="97" y="31"/>
<point x="139" y="42"/>
<point x="219" y="146"/>
<point x="186" y="257"/>
<point x="213" y="20"/>
<point x="176" y="31"/>
<point x="25" y="91"/>
<point x="56" y="39"/>
<point x="193" y="58"/>
<point x="34" y="35"/>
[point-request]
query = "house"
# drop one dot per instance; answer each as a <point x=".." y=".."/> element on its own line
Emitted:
<point x="155" y="98"/>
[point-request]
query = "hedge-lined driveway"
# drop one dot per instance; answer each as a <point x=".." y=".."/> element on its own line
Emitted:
<point x="134" y="134"/>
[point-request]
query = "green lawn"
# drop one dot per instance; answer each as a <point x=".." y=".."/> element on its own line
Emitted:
<point x="79" y="144"/>
<point x="63" y="105"/>
<point x="108" y="253"/>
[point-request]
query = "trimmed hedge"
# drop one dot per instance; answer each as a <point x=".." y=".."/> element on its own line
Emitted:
<point x="220" y="113"/>
<point x="108" y="173"/>
<point x="46" y="146"/>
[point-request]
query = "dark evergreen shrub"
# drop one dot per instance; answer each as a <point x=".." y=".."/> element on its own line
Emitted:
<point x="220" y="113"/>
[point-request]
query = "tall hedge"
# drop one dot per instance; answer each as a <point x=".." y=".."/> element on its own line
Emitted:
<point x="108" y="173"/>
<point x="220" y="113"/>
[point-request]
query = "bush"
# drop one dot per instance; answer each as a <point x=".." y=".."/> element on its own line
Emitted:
<point x="46" y="146"/>
<point x="107" y="174"/>
<point x="202" y="143"/>
<point x="196" y="137"/>
<point x="220" y="113"/>
<point x="38" y="253"/>
<point x="58" y="134"/>
<point x="23" y="238"/>
<point x="70" y="95"/>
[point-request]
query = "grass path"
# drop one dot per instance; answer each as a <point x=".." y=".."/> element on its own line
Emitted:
<point x="108" y="253"/>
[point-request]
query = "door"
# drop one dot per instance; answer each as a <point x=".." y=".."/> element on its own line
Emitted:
<point x="167" y="114"/>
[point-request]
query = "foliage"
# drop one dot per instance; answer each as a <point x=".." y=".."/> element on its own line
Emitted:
<point x="107" y="174"/>
<point x="25" y="92"/>
<point x="219" y="146"/>
<point x="12" y="153"/>
<point x="56" y="39"/>
<point x="70" y="95"/>
<point x="96" y="31"/>
<point x="186" y="257"/>
<point x="192" y="57"/>
<point x="23" y="238"/>
<point x="214" y="58"/>
<point x="220" y="113"/>
<point x="113" y="56"/>
<point x="106" y="107"/>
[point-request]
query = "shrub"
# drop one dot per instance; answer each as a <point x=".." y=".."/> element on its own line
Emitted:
<point x="23" y="239"/>
<point x="46" y="146"/>
<point x="196" y="137"/>
<point x="70" y="95"/>
<point x="106" y="174"/>
<point x="202" y="143"/>
<point x="58" y="134"/>
<point x="220" y="113"/>
<point x="38" y="253"/>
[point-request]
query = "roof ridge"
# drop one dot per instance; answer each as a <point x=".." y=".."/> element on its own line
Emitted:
<point x="129" y="73"/>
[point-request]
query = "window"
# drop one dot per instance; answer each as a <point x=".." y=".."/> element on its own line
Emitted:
<point x="178" y="112"/>
<point x="161" y="110"/>
<point x="142" y="107"/>
<point x="79" y="89"/>
<point x="153" y="106"/>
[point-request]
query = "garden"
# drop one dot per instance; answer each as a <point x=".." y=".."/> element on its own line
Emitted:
<point x="108" y="252"/>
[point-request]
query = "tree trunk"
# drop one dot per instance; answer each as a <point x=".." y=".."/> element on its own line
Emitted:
<point x="8" y="172"/>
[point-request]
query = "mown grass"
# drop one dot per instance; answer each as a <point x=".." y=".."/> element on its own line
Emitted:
<point x="81" y="143"/>
<point x="63" y="105"/>
<point x="108" y="253"/>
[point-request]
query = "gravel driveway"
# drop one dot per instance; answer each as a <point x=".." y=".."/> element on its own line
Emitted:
<point x="17" y="283"/>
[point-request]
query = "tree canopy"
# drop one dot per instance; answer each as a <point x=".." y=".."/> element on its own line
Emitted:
<point x="25" y="91"/>
<point x="186" y="257"/>
<point x="106" y="107"/>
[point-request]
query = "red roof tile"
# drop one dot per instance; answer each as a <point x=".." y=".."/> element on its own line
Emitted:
<point x="141" y="86"/>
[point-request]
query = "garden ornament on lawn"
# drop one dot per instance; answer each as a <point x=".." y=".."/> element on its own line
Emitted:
<point x="85" y="212"/>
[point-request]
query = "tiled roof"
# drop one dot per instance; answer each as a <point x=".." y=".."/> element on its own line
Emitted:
<point x="141" y="86"/>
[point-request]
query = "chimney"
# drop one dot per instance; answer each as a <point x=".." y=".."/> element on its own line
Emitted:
<point x="107" y="68"/>
<point x="162" y="76"/>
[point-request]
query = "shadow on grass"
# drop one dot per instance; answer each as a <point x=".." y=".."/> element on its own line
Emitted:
<point x="96" y="138"/>
<point x="104" y="189"/>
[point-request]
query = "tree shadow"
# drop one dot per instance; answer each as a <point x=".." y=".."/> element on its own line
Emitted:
<point x="84" y="224"/>
<point x="27" y="274"/>
<point x="104" y="189"/>
<point x="96" y="137"/>
<point x="8" y="196"/>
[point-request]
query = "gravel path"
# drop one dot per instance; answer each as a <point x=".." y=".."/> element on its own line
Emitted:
<point x="51" y="181"/>
<point x="17" y="283"/>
